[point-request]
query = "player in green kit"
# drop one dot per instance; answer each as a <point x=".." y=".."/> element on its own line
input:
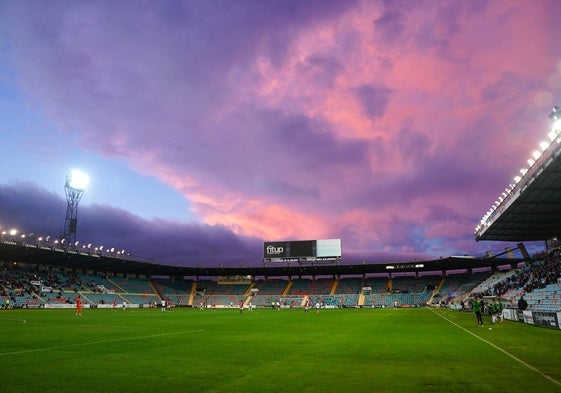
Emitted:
<point x="499" y="310"/>
<point x="492" y="312"/>
<point x="476" y="307"/>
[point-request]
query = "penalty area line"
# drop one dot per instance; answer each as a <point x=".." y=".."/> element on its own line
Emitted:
<point x="502" y="350"/>
<point x="96" y="342"/>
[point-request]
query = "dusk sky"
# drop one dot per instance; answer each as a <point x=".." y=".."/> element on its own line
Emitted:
<point x="208" y="127"/>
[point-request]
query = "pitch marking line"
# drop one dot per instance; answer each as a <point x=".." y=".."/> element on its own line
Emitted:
<point x="96" y="342"/>
<point x="502" y="350"/>
<point x="14" y="319"/>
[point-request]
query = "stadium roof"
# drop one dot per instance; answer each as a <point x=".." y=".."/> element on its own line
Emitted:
<point x="530" y="209"/>
<point x="35" y="255"/>
<point x="533" y="212"/>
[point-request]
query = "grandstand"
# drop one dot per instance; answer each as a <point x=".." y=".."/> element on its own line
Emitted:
<point x="26" y="286"/>
<point x="53" y="278"/>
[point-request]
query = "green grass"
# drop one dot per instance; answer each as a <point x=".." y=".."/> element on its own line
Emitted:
<point x="348" y="350"/>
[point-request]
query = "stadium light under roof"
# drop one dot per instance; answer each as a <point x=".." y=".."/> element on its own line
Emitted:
<point x="499" y="205"/>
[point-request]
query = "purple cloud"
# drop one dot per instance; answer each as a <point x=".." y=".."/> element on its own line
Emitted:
<point x="34" y="211"/>
<point x="374" y="99"/>
<point x="383" y="123"/>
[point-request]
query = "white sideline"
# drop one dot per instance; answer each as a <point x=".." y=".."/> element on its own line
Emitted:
<point x="500" y="349"/>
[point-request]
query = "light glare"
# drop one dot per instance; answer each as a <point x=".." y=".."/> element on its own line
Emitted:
<point x="556" y="126"/>
<point x="78" y="180"/>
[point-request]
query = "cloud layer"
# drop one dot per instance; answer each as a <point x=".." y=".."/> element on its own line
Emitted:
<point x="391" y="125"/>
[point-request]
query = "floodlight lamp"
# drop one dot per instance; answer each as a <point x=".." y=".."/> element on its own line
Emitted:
<point x="77" y="180"/>
<point x="555" y="113"/>
<point x="544" y="145"/>
<point x="517" y="179"/>
<point x="536" y="154"/>
<point x="13" y="232"/>
<point x="531" y="162"/>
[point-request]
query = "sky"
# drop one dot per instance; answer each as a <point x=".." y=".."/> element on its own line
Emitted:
<point x="209" y="127"/>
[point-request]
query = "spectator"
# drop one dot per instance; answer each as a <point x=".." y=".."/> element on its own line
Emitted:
<point x="522" y="303"/>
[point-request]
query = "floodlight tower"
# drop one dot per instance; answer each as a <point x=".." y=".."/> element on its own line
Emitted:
<point x="76" y="183"/>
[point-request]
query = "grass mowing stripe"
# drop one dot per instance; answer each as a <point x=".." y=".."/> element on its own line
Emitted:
<point x="95" y="342"/>
<point x="500" y="349"/>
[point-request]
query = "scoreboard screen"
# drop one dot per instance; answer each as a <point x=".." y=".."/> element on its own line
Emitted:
<point x="328" y="248"/>
<point x="302" y="250"/>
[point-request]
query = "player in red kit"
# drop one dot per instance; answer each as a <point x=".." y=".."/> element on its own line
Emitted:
<point x="78" y="305"/>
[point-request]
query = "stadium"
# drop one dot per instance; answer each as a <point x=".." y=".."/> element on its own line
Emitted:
<point x="302" y="322"/>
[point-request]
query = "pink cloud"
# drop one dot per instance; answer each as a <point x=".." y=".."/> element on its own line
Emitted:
<point x="353" y="120"/>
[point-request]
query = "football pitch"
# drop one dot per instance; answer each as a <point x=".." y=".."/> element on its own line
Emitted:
<point x="335" y="350"/>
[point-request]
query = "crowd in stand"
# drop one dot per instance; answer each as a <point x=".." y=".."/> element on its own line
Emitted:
<point x="16" y="282"/>
<point x="537" y="275"/>
<point x="545" y="273"/>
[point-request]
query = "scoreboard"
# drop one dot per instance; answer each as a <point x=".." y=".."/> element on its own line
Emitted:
<point x="327" y="250"/>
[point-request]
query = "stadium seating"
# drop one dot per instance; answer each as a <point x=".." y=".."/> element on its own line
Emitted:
<point x="349" y="285"/>
<point x="544" y="299"/>
<point x="311" y="287"/>
<point x="132" y="285"/>
<point x="178" y="291"/>
<point x="378" y="284"/>
<point x="270" y="287"/>
<point x="538" y="283"/>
